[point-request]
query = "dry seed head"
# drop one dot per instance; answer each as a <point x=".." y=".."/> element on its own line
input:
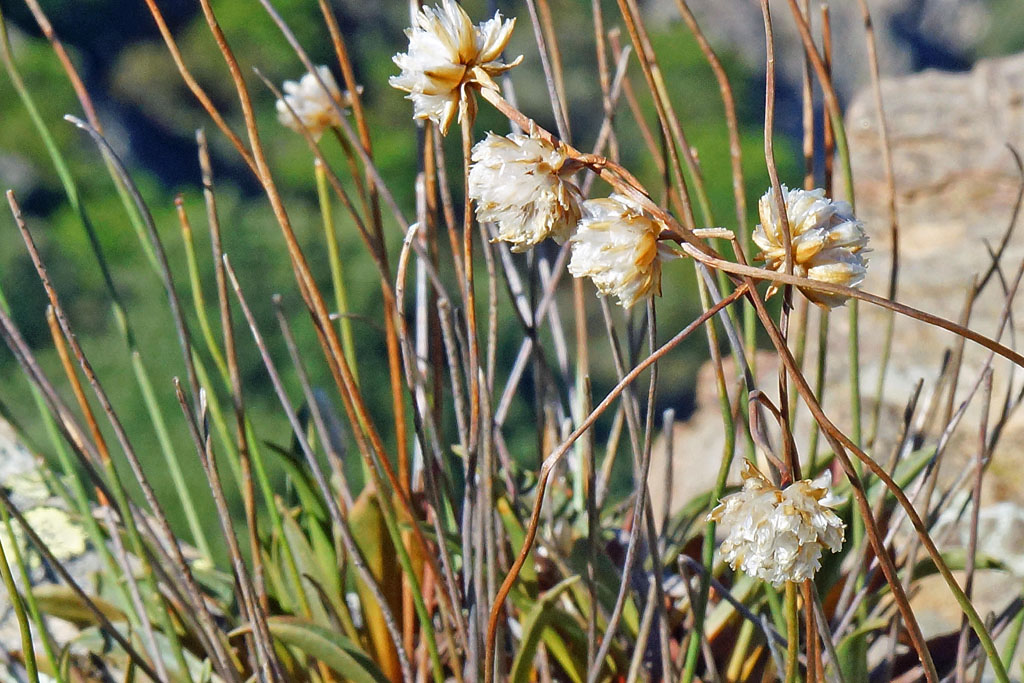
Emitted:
<point x="778" y="535"/>
<point x="311" y="103"/>
<point x="828" y="242"/>
<point x="616" y="245"/>
<point x="448" y="56"/>
<point x="521" y="183"/>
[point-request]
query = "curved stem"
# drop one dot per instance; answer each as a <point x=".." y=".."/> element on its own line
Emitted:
<point x="758" y="274"/>
<point x="552" y="460"/>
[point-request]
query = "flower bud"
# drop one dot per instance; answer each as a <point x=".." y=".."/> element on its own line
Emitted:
<point x="306" y="103"/>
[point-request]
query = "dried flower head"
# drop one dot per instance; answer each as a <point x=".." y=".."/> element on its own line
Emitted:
<point x="828" y="242"/>
<point x="447" y="58"/>
<point x="616" y="245"/>
<point x="311" y="104"/>
<point x="521" y="183"/>
<point x="778" y="535"/>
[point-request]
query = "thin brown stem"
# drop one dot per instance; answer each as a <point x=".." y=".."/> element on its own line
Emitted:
<point x="758" y="274"/>
<point x="469" y="296"/>
<point x="553" y="459"/>
<point x="97" y="613"/>
<point x="839" y="444"/>
<point x="197" y="89"/>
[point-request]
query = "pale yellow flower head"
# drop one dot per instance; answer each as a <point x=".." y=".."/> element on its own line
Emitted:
<point x="616" y="245"/>
<point x="521" y="183"/>
<point x="778" y="535"/>
<point x="448" y="56"/>
<point x="311" y="104"/>
<point x="828" y="242"/>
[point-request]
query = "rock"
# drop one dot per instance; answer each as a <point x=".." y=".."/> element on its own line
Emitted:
<point x="22" y="476"/>
<point x="1000" y="532"/>
<point x="910" y="35"/>
<point x="956" y="183"/>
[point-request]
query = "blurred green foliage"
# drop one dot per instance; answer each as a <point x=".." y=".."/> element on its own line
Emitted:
<point x="1005" y="35"/>
<point x="151" y="118"/>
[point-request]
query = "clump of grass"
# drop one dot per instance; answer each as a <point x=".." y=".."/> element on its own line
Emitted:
<point x="444" y="554"/>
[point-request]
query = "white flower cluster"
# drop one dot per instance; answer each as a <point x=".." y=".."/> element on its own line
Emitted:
<point x="306" y="103"/>
<point x="778" y="535"/>
<point x="448" y="56"/>
<point x="617" y="247"/>
<point x="523" y="183"/>
<point x="519" y="184"/>
<point x="828" y="242"/>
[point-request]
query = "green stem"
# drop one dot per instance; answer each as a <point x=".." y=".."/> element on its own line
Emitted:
<point x="843" y="150"/>
<point x="199" y="299"/>
<point x="1013" y="638"/>
<point x="708" y="547"/>
<point x="167" y="450"/>
<point x="27" y="648"/>
<point x="775" y="607"/>
<point x="337" y="272"/>
<point x="855" y="430"/>
<point x="792" y="635"/>
<point x="854" y="361"/>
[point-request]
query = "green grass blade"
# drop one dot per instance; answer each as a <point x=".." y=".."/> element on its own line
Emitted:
<point x="540" y="617"/>
<point x="333" y="649"/>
